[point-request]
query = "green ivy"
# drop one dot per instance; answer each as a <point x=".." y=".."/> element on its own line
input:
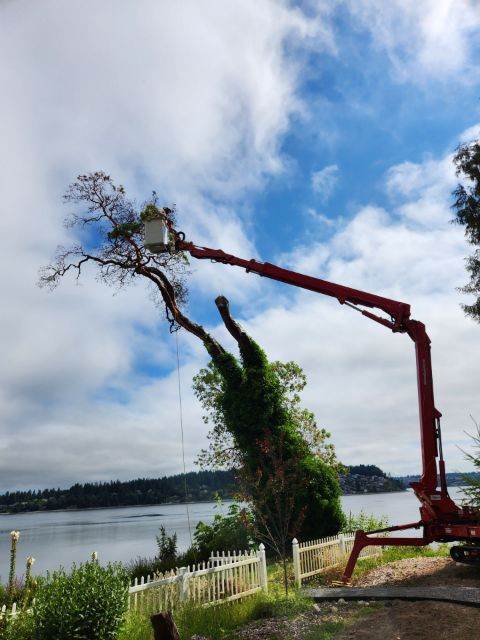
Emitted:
<point x="253" y="405"/>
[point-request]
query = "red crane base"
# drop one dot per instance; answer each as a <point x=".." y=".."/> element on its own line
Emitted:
<point x="432" y="532"/>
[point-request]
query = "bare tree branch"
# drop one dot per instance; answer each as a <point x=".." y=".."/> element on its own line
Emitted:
<point x="236" y="331"/>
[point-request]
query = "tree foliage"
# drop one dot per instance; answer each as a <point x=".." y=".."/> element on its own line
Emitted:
<point x="467" y="208"/>
<point x="223" y="452"/>
<point x="471" y="483"/>
<point x="276" y="461"/>
<point x="231" y="532"/>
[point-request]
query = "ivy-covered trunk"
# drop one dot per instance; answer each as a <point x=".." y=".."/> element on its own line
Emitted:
<point x="270" y="443"/>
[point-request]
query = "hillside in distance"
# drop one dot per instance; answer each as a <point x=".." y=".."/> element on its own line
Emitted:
<point x="454" y="479"/>
<point x="368" y="479"/>
<point x="201" y="486"/>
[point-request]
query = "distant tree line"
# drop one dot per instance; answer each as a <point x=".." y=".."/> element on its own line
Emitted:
<point x="366" y="470"/>
<point x="201" y="485"/>
<point x="454" y="479"/>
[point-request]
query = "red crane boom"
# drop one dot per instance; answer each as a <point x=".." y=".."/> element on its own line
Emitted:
<point x="441" y="519"/>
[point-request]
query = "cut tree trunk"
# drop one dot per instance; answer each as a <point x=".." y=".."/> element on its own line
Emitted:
<point x="164" y="627"/>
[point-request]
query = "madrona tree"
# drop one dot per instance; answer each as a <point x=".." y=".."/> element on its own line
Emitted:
<point x="467" y="208"/>
<point x="291" y="489"/>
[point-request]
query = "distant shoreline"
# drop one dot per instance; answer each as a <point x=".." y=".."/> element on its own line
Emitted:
<point x="115" y="506"/>
<point x="160" y="504"/>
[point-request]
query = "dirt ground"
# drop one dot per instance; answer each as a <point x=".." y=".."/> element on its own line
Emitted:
<point x="394" y="620"/>
<point x="422" y="572"/>
<point x="399" y="620"/>
<point x="416" y="621"/>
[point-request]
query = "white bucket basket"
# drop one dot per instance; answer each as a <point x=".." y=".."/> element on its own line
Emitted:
<point x="156" y="235"/>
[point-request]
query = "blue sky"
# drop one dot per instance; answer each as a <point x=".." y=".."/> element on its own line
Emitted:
<point x="317" y="135"/>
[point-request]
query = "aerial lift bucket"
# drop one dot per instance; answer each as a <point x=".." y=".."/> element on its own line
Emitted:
<point x="156" y="234"/>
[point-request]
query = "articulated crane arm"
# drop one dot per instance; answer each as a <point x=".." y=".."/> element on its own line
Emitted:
<point x="441" y="519"/>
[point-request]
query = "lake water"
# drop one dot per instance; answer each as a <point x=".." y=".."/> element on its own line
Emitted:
<point x="57" y="538"/>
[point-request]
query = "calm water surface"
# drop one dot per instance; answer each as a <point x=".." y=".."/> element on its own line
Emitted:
<point x="62" y="537"/>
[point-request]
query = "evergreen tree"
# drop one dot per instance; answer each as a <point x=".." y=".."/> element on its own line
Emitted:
<point x="472" y="483"/>
<point x="467" y="208"/>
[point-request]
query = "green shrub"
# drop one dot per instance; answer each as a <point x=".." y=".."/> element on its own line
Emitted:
<point x="365" y="522"/>
<point x="150" y="566"/>
<point x="167" y="547"/>
<point x="143" y="567"/>
<point x="226" y="533"/>
<point x="89" y="603"/>
<point x="21" y="627"/>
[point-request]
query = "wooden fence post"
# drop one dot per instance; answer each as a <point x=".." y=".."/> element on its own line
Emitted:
<point x="164" y="627"/>
<point x="296" y="563"/>
<point x="263" y="567"/>
<point x="183" y="584"/>
<point x="341" y="541"/>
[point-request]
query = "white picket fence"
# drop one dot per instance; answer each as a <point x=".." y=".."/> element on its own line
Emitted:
<point x="218" y="558"/>
<point x="225" y="577"/>
<point x="11" y="612"/>
<point x="312" y="557"/>
<point x="206" y="583"/>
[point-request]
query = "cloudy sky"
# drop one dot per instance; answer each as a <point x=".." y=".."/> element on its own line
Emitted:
<point x="317" y="135"/>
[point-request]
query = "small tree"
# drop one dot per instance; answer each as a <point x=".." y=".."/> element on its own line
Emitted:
<point x="472" y="484"/>
<point x="272" y="489"/>
<point x="467" y="208"/>
<point x="167" y="547"/>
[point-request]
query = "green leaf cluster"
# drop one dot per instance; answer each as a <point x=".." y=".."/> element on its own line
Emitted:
<point x="226" y="532"/>
<point x="151" y="212"/>
<point x="255" y="411"/>
<point x="126" y="230"/>
<point x="222" y="452"/>
<point x="167" y="546"/>
<point x="365" y="522"/>
<point x="87" y="603"/>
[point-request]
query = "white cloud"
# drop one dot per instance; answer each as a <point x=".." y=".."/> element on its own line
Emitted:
<point x="325" y="181"/>
<point x="189" y="99"/>
<point x="423" y="190"/>
<point x="321" y="218"/>
<point x="430" y="39"/>
<point x="471" y="134"/>
<point x="361" y="377"/>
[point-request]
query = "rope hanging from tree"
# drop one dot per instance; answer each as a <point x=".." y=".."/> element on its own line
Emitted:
<point x="180" y="406"/>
